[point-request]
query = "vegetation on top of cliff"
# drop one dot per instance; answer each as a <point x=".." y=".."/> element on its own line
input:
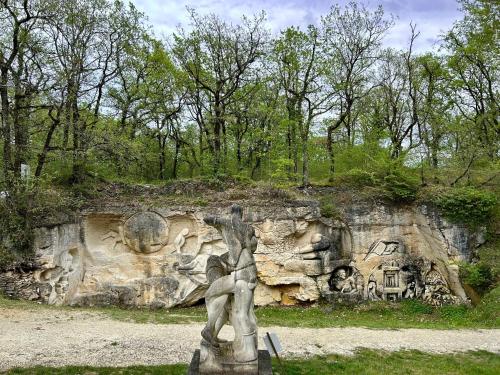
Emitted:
<point x="467" y="205"/>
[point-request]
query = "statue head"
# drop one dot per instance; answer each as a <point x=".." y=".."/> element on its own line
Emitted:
<point x="236" y="210"/>
<point x="341" y="274"/>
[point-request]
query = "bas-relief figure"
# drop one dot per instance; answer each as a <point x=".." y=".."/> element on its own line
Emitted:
<point x="230" y="297"/>
<point x="372" y="294"/>
<point x="343" y="283"/>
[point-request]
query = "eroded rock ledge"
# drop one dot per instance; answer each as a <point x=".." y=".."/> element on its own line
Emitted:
<point x="157" y="257"/>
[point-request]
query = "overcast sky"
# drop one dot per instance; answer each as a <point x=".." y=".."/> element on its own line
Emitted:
<point x="432" y="17"/>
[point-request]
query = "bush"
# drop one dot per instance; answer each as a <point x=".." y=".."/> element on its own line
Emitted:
<point x="386" y="178"/>
<point x="357" y="178"/>
<point x="16" y="237"/>
<point x="327" y="207"/>
<point x="466" y="205"/>
<point x="479" y="276"/>
<point x="401" y="187"/>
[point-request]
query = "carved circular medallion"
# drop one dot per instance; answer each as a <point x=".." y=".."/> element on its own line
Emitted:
<point x="145" y="232"/>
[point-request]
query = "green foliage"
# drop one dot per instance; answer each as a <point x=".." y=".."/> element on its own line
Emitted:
<point x="489" y="254"/>
<point x="479" y="276"/>
<point x="201" y="202"/>
<point x="281" y="171"/>
<point x="401" y="187"/>
<point x="414" y="306"/>
<point x="327" y="207"/>
<point x="386" y="177"/>
<point x="377" y="315"/>
<point x="454" y="313"/>
<point x="365" y="361"/>
<point x="16" y="236"/>
<point x="466" y="205"/>
<point x="357" y="177"/>
<point x="488" y="310"/>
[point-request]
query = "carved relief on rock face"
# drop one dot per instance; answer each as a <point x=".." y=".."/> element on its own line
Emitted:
<point x="145" y="232"/>
<point x="371" y="289"/>
<point x="180" y="240"/>
<point x="394" y="275"/>
<point x="436" y="290"/>
<point x="399" y="255"/>
<point x="344" y="280"/>
<point x="384" y="248"/>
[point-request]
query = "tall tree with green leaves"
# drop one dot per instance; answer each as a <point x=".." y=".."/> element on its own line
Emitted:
<point x="301" y="66"/>
<point x="352" y="38"/>
<point x="473" y="64"/>
<point x="216" y="56"/>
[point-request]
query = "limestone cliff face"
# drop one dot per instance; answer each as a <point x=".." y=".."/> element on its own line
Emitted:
<point x="157" y="257"/>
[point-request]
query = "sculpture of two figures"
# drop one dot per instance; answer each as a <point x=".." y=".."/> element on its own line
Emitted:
<point x="233" y="278"/>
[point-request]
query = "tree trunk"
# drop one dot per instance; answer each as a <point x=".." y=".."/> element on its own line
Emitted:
<point x="46" y="147"/>
<point x="305" y="162"/>
<point x="176" y="159"/>
<point x="20" y="118"/>
<point x="6" y="130"/>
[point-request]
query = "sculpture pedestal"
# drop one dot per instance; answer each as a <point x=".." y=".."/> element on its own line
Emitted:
<point x="226" y="364"/>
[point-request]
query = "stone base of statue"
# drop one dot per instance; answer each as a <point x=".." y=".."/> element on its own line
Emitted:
<point x="220" y="361"/>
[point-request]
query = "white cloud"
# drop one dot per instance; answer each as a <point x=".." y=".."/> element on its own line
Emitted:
<point x="433" y="17"/>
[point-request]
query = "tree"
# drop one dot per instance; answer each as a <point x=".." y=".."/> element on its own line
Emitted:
<point x="473" y="64"/>
<point x="17" y="52"/>
<point x="216" y="56"/>
<point x="352" y="38"/>
<point x="301" y="65"/>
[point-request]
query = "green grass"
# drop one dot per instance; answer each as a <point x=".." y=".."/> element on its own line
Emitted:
<point x="364" y="362"/>
<point x="378" y="315"/>
<point x="179" y="369"/>
<point x="369" y="362"/>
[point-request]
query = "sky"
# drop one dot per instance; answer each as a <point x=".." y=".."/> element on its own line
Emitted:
<point x="433" y="17"/>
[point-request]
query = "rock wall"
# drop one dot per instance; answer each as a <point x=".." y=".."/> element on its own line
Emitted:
<point x="158" y="257"/>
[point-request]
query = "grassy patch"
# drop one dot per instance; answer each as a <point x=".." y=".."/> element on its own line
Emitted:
<point x="179" y="369"/>
<point x="364" y="362"/>
<point x="405" y="362"/>
<point x="379" y="315"/>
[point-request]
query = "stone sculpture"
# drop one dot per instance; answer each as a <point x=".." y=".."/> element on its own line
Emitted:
<point x="230" y="297"/>
<point x="372" y="290"/>
<point x="180" y="240"/>
<point x="343" y="283"/>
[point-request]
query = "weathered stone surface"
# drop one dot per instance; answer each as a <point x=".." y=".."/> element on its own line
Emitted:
<point x="158" y="258"/>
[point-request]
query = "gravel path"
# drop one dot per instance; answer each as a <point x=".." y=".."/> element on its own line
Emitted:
<point x="58" y="338"/>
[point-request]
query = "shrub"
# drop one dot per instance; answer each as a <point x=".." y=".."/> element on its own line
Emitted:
<point x="357" y="177"/>
<point x="466" y="205"/>
<point x="479" y="276"/>
<point x="327" y="207"/>
<point x="387" y="178"/>
<point x="16" y="237"/>
<point x="401" y="187"/>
